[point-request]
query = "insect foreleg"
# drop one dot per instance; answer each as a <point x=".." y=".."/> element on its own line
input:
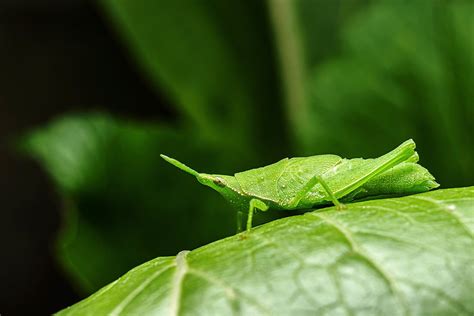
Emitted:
<point x="309" y="185"/>
<point x="254" y="205"/>
<point x="240" y="215"/>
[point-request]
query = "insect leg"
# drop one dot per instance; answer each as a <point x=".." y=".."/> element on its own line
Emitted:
<point x="309" y="185"/>
<point x="254" y="205"/>
<point x="240" y="215"/>
<point x="331" y="195"/>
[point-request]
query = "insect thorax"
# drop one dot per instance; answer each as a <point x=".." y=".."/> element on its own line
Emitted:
<point x="278" y="183"/>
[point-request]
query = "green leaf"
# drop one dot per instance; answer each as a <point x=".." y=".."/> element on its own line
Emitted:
<point x="213" y="59"/>
<point x="123" y="204"/>
<point x="405" y="69"/>
<point x="403" y="256"/>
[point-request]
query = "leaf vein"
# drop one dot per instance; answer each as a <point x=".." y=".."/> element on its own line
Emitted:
<point x="451" y="213"/>
<point x="340" y="294"/>
<point x="356" y="248"/>
<point x="124" y="303"/>
<point x="177" y="285"/>
<point x="231" y="292"/>
<point x="459" y="306"/>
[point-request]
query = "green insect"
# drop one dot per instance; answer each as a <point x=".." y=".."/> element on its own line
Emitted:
<point x="307" y="182"/>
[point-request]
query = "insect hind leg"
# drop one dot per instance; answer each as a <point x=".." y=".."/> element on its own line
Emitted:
<point x="331" y="195"/>
<point x="310" y="185"/>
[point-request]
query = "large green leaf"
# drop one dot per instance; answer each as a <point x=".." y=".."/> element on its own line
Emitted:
<point x="404" y="256"/>
<point x="123" y="203"/>
<point x="405" y="70"/>
<point x="213" y="59"/>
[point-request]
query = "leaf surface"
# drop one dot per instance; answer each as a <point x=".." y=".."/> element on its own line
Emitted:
<point x="213" y="59"/>
<point x="404" y="256"/>
<point x="403" y="71"/>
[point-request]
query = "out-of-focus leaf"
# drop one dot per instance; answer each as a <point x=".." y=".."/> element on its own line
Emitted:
<point x="403" y="256"/>
<point x="406" y="70"/>
<point x="213" y="58"/>
<point x="306" y="32"/>
<point x="124" y="204"/>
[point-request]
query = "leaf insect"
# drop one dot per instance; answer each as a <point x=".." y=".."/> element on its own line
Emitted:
<point x="307" y="182"/>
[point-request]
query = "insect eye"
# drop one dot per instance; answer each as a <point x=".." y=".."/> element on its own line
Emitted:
<point x="218" y="182"/>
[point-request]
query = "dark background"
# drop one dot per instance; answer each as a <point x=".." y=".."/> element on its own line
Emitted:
<point x="55" y="57"/>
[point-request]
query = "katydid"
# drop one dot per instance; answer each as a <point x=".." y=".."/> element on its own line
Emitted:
<point x="307" y="182"/>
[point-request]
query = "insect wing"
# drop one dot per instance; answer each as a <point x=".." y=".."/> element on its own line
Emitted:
<point x="354" y="173"/>
<point x="299" y="171"/>
<point x="280" y="181"/>
<point x="405" y="178"/>
<point x="262" y="182"/>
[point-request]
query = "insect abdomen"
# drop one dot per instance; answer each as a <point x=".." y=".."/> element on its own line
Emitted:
<point x="406" y="178"/>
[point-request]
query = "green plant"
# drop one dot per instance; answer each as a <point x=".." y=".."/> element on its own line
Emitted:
<point x="404" y="256"/>
<point x="253" y="82"/>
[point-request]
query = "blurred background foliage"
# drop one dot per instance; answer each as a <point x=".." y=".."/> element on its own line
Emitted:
<point x="247" y="83"/>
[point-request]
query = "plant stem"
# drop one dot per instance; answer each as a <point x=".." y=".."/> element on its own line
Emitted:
<point x="292" y="65"/>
